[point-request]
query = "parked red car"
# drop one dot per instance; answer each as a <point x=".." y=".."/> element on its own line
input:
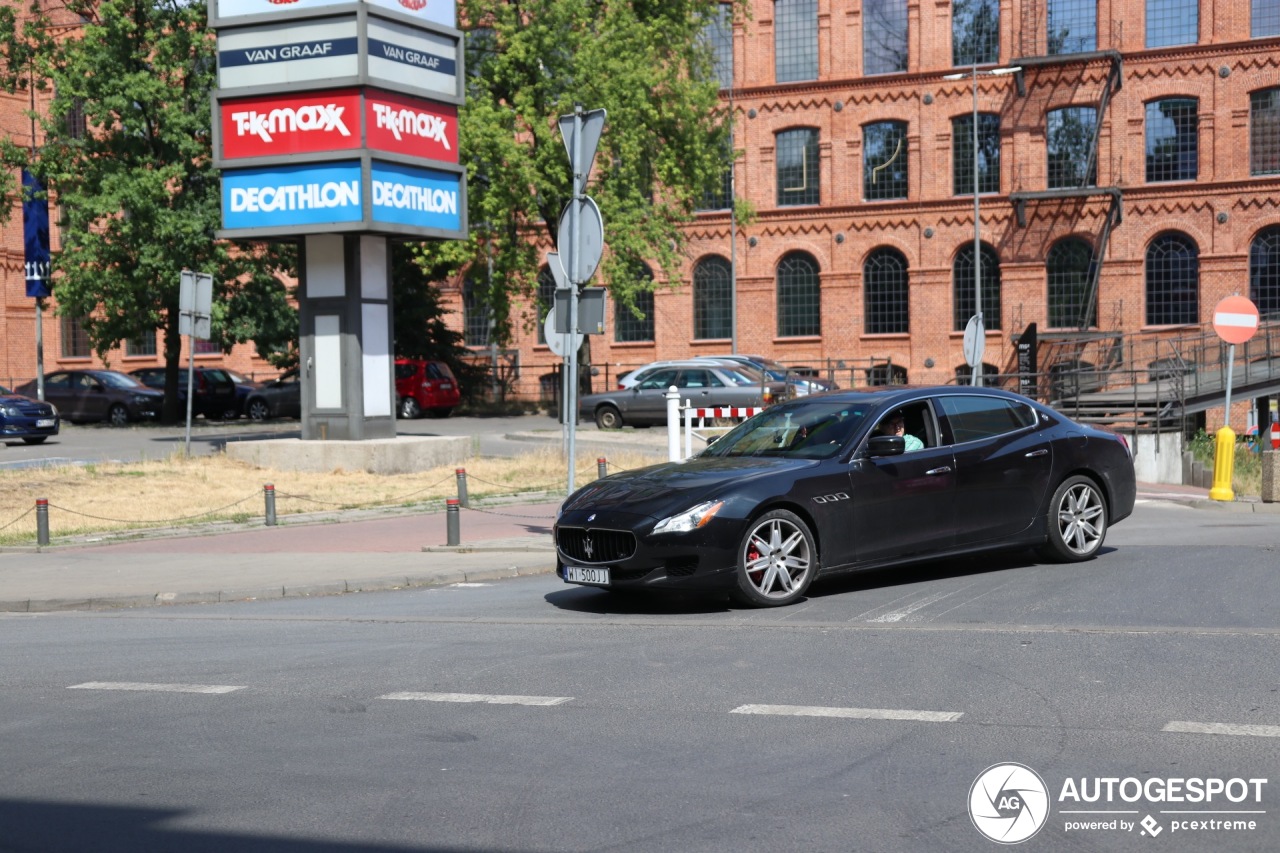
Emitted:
<point x="425" y="386"/>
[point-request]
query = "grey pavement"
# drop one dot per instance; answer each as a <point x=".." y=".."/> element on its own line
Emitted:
<point x="339" y="552"/>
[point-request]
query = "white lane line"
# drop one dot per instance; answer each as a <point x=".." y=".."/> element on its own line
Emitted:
<point x="479" y="697"/>
<point x="1222" y="729"/>
<point x="155" y="688"/>
<point x="919" y="604"/>
<point x="850" y="713"/>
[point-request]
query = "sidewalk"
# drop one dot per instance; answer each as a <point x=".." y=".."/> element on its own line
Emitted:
<point x="339" y="552"/>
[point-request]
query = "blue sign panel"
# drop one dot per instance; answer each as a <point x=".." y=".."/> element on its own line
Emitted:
<point x="420" y="198"/>
<point x="35" y="235"/>
<point x="282" y="196"/>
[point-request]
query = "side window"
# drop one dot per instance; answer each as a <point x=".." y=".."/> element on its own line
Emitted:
<point x="661" y="379"/>
<point x="692" y="379"/>
<point x="404" y="371"/>
<point x="57" y="380"/>
<point x="914" y="422"/>
<point x="975" y="418"/>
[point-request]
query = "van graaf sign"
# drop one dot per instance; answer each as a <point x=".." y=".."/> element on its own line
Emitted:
<point x="289" y="196"/>
<point x="418" y="198"/>
<point x="402" y="57"/>
<point x="443" y="12"/>
<point x="285" y="54"/>
<point x="319" y="122"/>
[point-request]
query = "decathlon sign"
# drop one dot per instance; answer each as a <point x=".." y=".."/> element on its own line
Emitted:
<point x="441" y="12"/>
<point x="416" y="198"/>
<point x="284" y="126"/>
<point x="286" y="197"/>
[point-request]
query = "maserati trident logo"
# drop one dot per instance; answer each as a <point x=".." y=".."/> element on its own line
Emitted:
<point x="588" y="547"/>
<point x="591" y="517"/>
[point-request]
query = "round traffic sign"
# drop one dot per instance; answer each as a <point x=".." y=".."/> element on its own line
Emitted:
<point x="1235" y="319"/>
<point x="975" y="341"/>
<point x="591" y="239"/>
<point x="556" y="340"/>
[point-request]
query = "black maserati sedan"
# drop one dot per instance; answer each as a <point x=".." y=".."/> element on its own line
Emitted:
<point x="851" y="480"/>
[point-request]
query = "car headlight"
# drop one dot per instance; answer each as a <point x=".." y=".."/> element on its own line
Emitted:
<point x="141" y="400"/>
<point x="690" y="519"/>
<point x="9" y="412"/>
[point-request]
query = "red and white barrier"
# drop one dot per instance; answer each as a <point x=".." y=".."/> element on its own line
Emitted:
<point x="690" y="414"/>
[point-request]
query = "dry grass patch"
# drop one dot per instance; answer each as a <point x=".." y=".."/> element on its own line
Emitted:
<point x="184" y="491"/>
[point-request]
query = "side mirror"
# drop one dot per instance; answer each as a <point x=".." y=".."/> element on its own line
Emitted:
<point x="886" y="445"/>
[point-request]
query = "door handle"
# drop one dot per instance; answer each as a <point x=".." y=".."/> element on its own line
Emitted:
<point x="933" y="472"/>
<point x="1044" y="451"/>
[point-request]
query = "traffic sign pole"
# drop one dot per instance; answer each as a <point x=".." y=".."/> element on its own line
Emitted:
<point x="1235" y="319"/>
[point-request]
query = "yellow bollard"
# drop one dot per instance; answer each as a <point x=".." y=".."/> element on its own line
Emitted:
<point x="1224" y="463"/>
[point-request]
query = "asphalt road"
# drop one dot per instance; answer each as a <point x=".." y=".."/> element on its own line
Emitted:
<point x="530" y="715"/>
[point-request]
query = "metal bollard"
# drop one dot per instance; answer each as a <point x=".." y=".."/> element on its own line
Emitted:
<point x="602" y="468"/>
<point x="42" y="521"/>
<point x="462" y="487"/>
<point x="452" y="534"/>
<point x="269" y="493"/>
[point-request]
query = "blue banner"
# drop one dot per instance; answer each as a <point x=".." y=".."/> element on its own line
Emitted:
<point x="424" y="198"/>
<point x="35" y="236"/>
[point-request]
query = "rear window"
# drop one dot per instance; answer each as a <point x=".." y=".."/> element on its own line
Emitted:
<point x="438" y="370"/>
<point x="974" y="418"/>
<point x="405" y="371"/>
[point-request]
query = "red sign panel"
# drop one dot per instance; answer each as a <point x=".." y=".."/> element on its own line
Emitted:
<point x="1235" y="319"/>
<point x="404" y="125"/>
<point x="278" y="125"/>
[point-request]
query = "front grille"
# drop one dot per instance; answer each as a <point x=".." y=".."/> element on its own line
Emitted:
<point x="595" y="546"/>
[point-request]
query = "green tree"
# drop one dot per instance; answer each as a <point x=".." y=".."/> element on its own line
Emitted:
<point x="126" y="153"/>
<point x="662" y="150"/>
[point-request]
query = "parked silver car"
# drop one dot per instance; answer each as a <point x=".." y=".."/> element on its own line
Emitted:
<point x="701" y="384"/>
<point x="800" y="384"/>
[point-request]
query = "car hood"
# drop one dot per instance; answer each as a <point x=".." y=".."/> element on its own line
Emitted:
<point x="659" y="490"/>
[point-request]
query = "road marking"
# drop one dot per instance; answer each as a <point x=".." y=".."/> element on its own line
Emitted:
<point x="479" y="697"/>
<point x="850" y="713"/>
<point x="155" y="688"/>
<point x="903" y="613"/>
<point x="1222" y="729"/>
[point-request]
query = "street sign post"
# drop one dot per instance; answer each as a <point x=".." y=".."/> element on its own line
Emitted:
<point x="1235" y="319"/>
<point x="195" y="315"/>
<point x="975" y="346"/>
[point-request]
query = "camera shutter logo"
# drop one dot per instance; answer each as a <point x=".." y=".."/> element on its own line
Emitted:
<point x="1008" y="803"/>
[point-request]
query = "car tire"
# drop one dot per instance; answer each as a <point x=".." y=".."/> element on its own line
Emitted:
<point x="230" y="414"/>
<point x="37" y="440"/>
<point x="409" y="408"/>
<point x="607" y="417"/>
<point x="118" y="416"/>
<point x="1077" y="521"/>
<point x="777" y="560"/>
<point x="257" y="410"/>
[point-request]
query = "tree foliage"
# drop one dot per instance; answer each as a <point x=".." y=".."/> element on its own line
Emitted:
<point x="662" y="149"/>
<point x="126" y="153"/>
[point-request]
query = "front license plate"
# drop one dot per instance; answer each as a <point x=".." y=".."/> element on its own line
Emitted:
<point x="45" y="422"/>
<point x="580" y="574"/>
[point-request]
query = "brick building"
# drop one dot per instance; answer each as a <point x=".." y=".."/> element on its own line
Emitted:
<point x="1128" y="177"/>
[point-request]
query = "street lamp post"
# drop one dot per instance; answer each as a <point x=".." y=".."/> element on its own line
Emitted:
<point x="976" y="377"/>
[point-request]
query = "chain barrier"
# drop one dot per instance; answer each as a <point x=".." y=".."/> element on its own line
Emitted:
<point x="509" y="514"/>
<point x="19" y="518"/>
<point x="154" y="520"/>
<point x="548" y="488"/>
<point x="281" y="494"/>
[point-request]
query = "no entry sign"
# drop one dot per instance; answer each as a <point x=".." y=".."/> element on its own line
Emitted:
<point x="1235" y="319"/>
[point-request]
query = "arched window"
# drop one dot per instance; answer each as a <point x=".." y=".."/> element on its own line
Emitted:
<point x="797" y="156"/>
<point x="476" y="314"/>
<point x="1069" y="266"/>
<point x="799" y="306"/>
<point x="962" y="280"/>
<point x="884" y="287"/>
<point x="795" y="40"/>
<point x="712" y="299"/>
<point x="1173" y="281"/>
<point x="1264" y="271"/>
<point x="962" y="162"/>
<point x="884" y="160"/>
<point x="884" y="36"/>
<point x="975" y="32"/>
<point x="546" y="300"/>
<point x="627" y="326"/>
<point x="1073" y="26"/>
<point x="1173" y="126"/>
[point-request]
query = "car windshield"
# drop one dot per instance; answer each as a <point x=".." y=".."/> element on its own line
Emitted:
<point x="237" y="377"/>
<point x="804" y="430"/>
<point x="4" y="390"/>
<point x="119" y="380"/>
<point x="743" y="374"/>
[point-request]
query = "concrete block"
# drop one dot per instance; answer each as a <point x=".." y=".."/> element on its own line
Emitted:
<point x="1270" y="476"/>
<point x="403" y="454"/>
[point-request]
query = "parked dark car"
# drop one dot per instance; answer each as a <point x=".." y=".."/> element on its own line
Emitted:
<point x="425" y="386"/>
<point x="278" y="398"/>
<point x="800" y="381"/>
<point x="215" y="390"/>
<point x="98" y="395"/>
<point x="702" y="384"/>
<point x="815" y="487"/>
<point x="26" y="418"/>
